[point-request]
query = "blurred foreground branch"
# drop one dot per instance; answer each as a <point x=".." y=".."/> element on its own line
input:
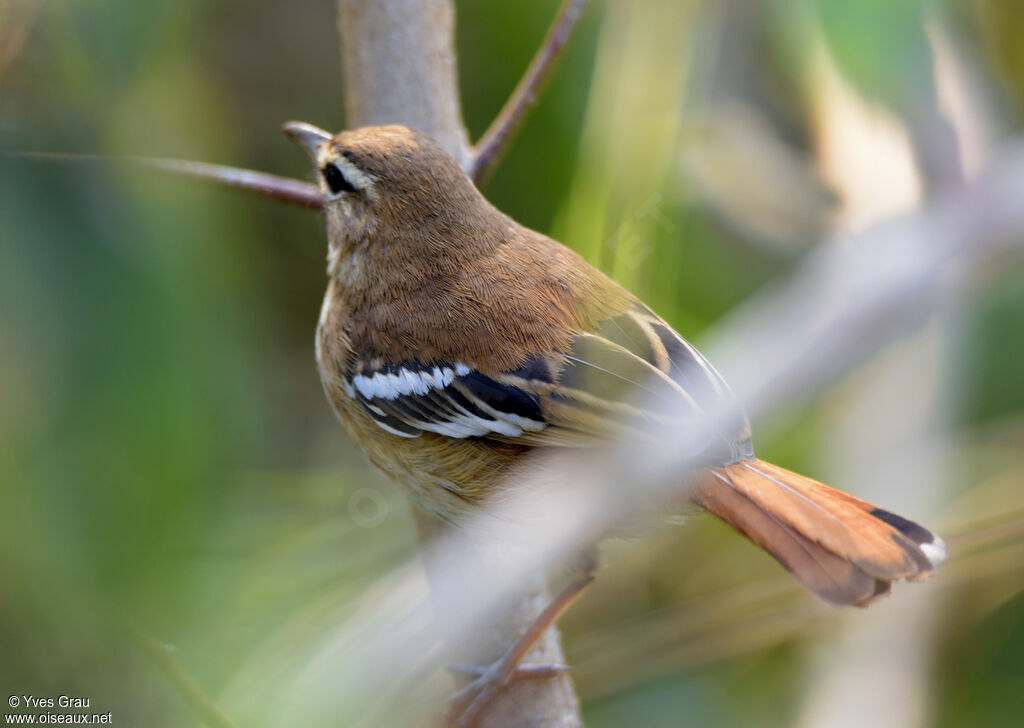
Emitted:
<point x="851" y="299"/>
<point x="861" y="292"/>
<point x="752" y="615"/>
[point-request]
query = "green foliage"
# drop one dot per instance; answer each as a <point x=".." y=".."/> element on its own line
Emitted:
<point x="167" y="460"/>
<point x="881" y="45"/>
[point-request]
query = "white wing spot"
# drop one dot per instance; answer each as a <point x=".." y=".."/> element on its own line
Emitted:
<point x="406" y="382"/>
<point x="383" y="385"/>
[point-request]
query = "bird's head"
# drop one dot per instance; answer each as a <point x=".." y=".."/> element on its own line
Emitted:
<point x="391" y="185"/>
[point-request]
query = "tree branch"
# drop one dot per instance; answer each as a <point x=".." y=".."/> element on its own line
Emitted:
<point x="399" y="67"/>
<point x="282" y="189"/>
<point x="492" y="144"/>
<point x="847" y="302"/>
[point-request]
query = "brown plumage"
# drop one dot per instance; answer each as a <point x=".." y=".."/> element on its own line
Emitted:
<point x="453" y="341"/>
<point x="841" y="548"/>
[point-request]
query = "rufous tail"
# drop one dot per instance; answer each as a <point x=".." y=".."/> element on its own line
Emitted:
<point x="845" y="550"/>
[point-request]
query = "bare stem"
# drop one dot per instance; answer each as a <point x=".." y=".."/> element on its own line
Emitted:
<point x="400" y="67"/>
<point x="495" y="140"/>
<point x="282" y="189"/>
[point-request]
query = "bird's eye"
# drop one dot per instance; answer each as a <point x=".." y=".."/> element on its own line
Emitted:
<point x="336" y="181"/>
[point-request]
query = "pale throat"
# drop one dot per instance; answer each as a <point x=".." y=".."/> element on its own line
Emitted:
<point x="347" y="266"/>
<point x="345" y="241"/>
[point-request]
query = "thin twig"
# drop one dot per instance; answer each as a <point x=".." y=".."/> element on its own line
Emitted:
<point x="201" y="703"/>
<point x="494" y="141"/>
<point x="282" y="189"/>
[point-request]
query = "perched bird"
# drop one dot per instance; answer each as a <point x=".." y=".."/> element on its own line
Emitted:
<point x="453" y="342"/>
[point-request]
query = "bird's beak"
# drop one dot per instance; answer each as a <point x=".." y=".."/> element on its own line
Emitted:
<point x="307" y="136"/>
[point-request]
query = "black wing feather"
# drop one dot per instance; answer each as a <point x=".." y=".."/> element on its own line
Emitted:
<point x="633" y="372"/>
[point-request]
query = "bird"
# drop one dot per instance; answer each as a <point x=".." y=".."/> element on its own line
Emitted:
<point x="454" y="342"/>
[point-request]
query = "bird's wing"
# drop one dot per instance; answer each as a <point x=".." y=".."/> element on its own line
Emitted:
<point x="632" y="373"/>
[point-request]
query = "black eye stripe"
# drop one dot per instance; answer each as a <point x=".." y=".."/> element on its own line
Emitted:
<point x="336" y="181"/>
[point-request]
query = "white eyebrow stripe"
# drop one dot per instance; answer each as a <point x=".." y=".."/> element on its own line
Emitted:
<point x="356" y="176"/>
<point x="362" y="181"/>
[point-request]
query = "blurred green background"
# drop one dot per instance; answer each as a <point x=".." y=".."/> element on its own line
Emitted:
<point x="168" y="462"/>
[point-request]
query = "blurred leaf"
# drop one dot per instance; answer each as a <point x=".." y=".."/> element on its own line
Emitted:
<point x="880" y="45"/>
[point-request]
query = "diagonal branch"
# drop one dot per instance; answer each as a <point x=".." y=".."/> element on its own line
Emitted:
<point x="282" y="189"/>
<point x="482" y="159"/>
<point x="495" y="140"/>
<point x="848" y="301"/>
